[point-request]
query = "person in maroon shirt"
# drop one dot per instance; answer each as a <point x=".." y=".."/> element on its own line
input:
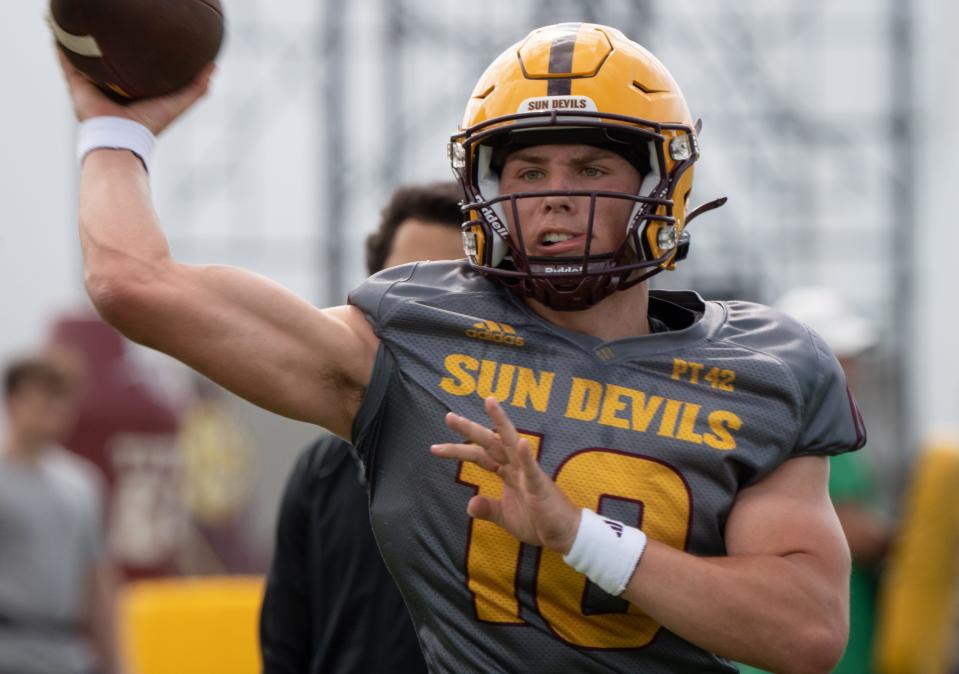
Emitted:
<point x="130" y="434"/>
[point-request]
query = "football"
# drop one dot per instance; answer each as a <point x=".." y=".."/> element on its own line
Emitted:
<point x="135" y="49"/>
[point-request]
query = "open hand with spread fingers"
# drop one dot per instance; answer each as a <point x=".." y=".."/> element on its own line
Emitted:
<point x="532" y="508"/>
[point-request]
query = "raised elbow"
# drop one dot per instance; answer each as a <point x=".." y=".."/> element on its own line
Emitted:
<point x="101" y="288"/>
<point x="121" y="297"/>
<point x="108" y="291"/>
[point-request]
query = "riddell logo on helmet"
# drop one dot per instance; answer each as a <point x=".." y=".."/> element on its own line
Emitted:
<point x="499" y="333"/>
<point x="495" y="222"/>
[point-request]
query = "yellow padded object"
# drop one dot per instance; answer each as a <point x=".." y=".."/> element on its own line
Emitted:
<point x="192" y="625"/>
<point x="916" y="614"/>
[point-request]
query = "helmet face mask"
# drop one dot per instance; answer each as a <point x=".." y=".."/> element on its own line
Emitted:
<point x="513" y="107"/>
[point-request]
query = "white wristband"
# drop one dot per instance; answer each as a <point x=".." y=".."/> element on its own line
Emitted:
<point x="606" y="551"/>
<point x="115" y="133"/>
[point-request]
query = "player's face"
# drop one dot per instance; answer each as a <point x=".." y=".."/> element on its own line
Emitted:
<point x="424" y="240"/>
<point x="40" y="415"/>
<point x="557" y="225"/>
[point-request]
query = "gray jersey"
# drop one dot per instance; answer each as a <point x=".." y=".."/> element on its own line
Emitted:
<point x="50" y="540"/>
<point x="659" y="431"/>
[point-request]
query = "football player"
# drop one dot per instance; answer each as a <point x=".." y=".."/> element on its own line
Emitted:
<point x="328" y="595"/>
<point x="649" y="492"/>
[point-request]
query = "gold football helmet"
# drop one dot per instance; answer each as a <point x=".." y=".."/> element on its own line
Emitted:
<point x="585" y="84"/>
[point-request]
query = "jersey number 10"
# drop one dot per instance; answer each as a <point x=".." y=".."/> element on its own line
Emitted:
<point x="585" y="477"/>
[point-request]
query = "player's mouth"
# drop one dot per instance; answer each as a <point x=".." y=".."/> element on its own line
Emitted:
<point x="560" y="243"/>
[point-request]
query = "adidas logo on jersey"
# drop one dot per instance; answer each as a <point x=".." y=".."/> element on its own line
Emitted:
<point x="500" y="333"/>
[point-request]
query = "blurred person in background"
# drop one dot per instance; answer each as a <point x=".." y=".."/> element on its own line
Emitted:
<point x="130" y="434"/>
<point x="56" y="590"/>
<point x="178" y="466"/>
<point x="329" y="595"/>
<point x="851" y="483"/>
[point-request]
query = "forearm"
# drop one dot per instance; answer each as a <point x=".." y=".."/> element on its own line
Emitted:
<point x="771" y="611"/>
<point x="119" y="230"/>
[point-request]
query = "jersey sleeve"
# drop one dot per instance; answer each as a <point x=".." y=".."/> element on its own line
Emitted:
<point x="830" y="421"/>
<point x="375" y="297"/>
<point x="379" y="298"/>
<point x="381" y="294"/>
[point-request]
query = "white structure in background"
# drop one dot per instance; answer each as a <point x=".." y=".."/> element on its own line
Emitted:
<point x="933" y="377"/>
<point x="39" y="260"/>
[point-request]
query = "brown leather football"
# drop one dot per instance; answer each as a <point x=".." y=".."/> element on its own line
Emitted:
<point x="135" y="49"/>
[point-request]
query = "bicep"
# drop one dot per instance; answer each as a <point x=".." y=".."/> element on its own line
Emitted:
<point x="257" y="339"/>
<point x="789" y="514"/>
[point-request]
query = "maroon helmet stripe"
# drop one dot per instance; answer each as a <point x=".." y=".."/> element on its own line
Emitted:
<point x="561" y="59"/>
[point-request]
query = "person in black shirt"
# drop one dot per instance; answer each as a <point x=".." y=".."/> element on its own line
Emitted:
<point x="330" y="604"/>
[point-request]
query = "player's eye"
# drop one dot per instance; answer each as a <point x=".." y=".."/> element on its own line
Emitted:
<point x="531" y="174"/>
<point x="592" y="171"/>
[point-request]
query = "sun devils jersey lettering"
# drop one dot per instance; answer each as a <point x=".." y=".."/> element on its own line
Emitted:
<point x="624" y="428"/>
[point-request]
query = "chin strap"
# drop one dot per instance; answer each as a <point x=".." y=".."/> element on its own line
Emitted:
<point x="705" y="208"/>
